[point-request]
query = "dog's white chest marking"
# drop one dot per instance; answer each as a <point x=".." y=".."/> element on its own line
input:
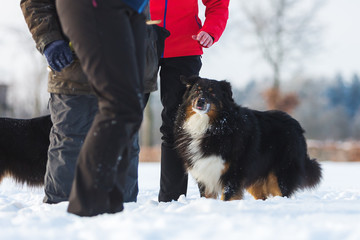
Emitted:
<point x="197" y="124"/>
<point x="206" y="170"/>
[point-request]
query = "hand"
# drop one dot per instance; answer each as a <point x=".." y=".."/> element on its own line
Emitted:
<point x="58" y="54"/>
<point x="204" y="39"/>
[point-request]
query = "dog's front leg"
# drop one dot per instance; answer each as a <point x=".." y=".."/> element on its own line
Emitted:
<point x="201" y="189"/>
<point x="205" y="192"/>
<point x="232" y="191"/>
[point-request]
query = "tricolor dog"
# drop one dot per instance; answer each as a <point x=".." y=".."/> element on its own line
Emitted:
<point x="228" y="148"/>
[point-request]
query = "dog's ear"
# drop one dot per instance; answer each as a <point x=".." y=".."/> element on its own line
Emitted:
<point x="189" y="81"/>
<point x="226" y="89"/>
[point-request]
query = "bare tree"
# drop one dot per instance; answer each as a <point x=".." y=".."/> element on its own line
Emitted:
<point x="285" y="33"/>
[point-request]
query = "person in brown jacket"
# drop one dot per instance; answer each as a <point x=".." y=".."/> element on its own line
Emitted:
<point x="72" y="103"/>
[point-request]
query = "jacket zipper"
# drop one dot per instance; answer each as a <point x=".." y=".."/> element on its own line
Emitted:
<point x="165" y="11"/>
<point x="197" y="21"/>
<point x="164" y="23"/>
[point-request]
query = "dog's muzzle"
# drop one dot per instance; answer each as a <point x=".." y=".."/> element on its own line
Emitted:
<point x="200" y="105"/>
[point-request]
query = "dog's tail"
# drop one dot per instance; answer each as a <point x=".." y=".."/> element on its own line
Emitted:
<point x="313" y="173"/>
<point x="23" y="149"/>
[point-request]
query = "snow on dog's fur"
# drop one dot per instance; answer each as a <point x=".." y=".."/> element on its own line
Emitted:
<point x="228" y="148"/>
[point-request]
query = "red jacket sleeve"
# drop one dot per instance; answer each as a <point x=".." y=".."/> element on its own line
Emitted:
<point x="216" y="16"/>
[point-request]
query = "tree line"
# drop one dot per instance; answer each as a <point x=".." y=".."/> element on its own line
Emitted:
<point x="328" y="108"/>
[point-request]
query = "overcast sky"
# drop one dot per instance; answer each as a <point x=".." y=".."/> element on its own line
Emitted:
<point x="341" y="19"/>
<point x="339" y="54"/>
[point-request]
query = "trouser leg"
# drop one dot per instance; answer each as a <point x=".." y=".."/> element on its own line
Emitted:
<point x="173" y="178"/>
<point x="113" y="60"/>
<point x="72" y="116"/>
<point x="131" y="188"/>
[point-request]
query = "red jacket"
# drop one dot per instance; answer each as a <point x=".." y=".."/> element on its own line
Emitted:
<point x="180" y="17"/>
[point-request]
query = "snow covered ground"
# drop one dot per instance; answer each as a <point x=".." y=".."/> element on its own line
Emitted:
<point x="332" y="211"/>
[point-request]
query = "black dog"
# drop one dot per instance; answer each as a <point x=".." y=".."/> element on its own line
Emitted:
<point x="228" y="148"/>
<point x="23" y="149"/>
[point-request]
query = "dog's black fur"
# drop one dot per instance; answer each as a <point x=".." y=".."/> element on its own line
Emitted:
<point x="263" y="152"/>
<point x="23" y="149"/>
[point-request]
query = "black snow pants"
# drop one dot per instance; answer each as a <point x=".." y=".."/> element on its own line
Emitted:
<point x="173" y="178"/>
<point x="108" y="38"/>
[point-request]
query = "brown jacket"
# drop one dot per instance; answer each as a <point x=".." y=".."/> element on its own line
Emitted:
<point x="44" y="25"/>
<point x="43" y="22"/>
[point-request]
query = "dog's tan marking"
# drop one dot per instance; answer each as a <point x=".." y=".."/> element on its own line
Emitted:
<point x="7" y="174"/>
<point x="212" y="113"/>
<point x="211" y="195"/>
<point x="226" y="168"/>
<point x="189" y="112"/>
<point x="258" y="190"/>
<point x="222" y="196"/>
<point x="273" y="185"/>
<point x="262" y="189"/>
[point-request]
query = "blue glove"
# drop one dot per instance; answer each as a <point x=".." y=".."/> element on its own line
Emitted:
<point x="58" y="54"/>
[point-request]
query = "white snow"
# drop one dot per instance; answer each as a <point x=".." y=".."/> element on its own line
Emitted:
<point x="332" y="211"/>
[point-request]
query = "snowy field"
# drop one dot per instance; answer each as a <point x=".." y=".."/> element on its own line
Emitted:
<point x="332" y="211"/>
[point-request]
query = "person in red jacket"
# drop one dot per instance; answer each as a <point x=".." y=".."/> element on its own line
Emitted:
<point x="182" y="56"/>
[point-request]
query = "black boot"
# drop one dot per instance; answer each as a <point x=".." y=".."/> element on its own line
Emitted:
<point x="174" y="179"/>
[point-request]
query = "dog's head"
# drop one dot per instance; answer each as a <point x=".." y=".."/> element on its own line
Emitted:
<point x="206" y="96"/>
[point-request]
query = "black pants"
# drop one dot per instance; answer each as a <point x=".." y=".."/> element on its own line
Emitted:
<point x="173" y="179"/>
<point x="109" y="40"/>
